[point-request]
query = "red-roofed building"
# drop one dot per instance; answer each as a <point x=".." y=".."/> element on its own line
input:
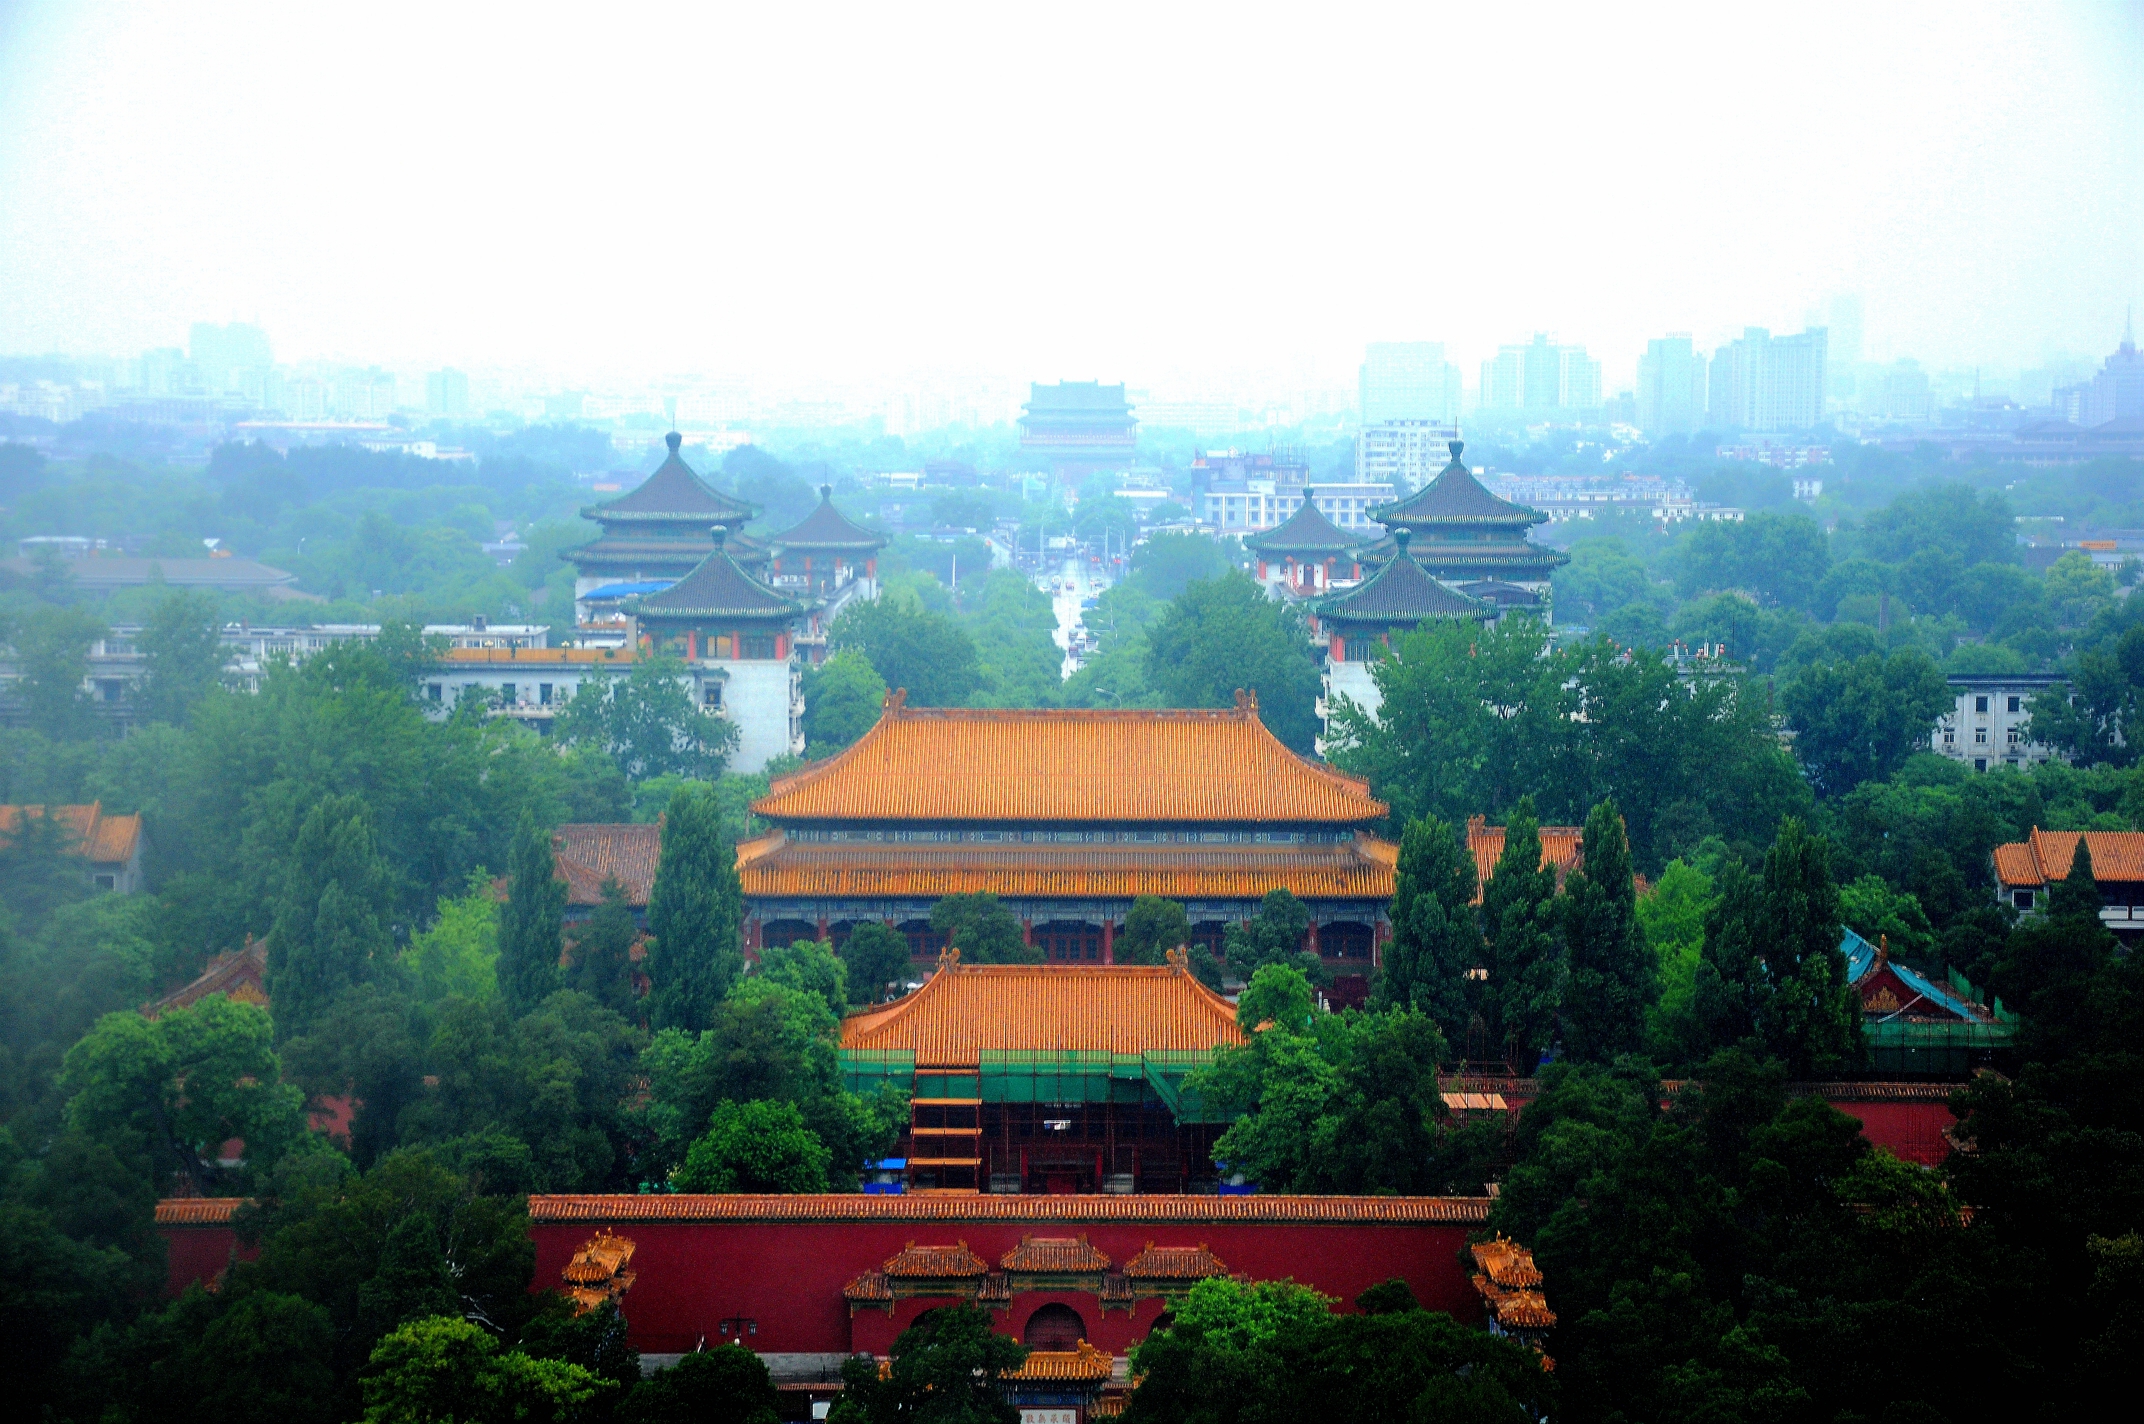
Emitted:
<point x="587" y="854"/>
<point x="2025" y="871"/>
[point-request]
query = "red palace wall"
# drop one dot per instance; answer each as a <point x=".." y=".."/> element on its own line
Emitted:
<point x="1911" y="1129"/>
<point x="780" y="1263"/>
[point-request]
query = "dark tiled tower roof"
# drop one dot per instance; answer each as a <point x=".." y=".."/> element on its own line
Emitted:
<point x="1455" y="497"/>
<point x="829" y="529"/>
<point x="1399" y="595"/>
<point x="1307" y="531"/>
<point x="673" y="494"/>
<point x="718" y="588"/>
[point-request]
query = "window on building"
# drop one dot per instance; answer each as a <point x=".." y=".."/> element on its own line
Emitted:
<point x="1980" y="734"/>
<point x="2015" y="736"/>
<point x="713" y="696"/>
<point x="107" y="882"/>
<point x="2022" y="899"/>
<point x="758" y="645"/>
<point x="1980" y="763"/>
<point x="508" y="694"/>
<point x="1949" y="736"/>
<point x="1980" y="704"/>
<point x="2014" y="704"/>
<point x="435" y="692"/>
<point x="543" y="693"/>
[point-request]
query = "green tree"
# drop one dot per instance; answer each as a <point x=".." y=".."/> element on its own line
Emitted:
<point x="603" y="952"/>
<point x="1811" y="1019"/>
<point x="695" y="911"/>
<point x="1673" y="918"/>
<point x="1224" y="635"/>
<point x="1779" y="556"/>
<point x="258" y="1356"/>
<point x="1152" y="928"/>
<point x="726" y="1385"/>
<point x="1523" y="927"/>
<point x="442" y="1368"/>
<point x="182" y="652"/>
<point x="910" y="647"/>
<point x="52" y="661"/>
<point x="1436" y="939"/>
<point x="1169" y="563"/>
<point x="1275" y="935"/>
<point x="982" y="929"/>
<point x="1859" y="721"/>
<point x="459" y="952"/>
<point x="842" y="699"/>
<point x="529" y="920"/>
<point x="331" y="918"/>
<point x="647" y="722"/>
<point x="944" y="1369"/>
<point x="761" y="1146"/>
<point x="1276" y="995"/>
<point x="1613" y="977"/>
<point x="810" y="967"/>
<point x="1872" y="909"/>
<point x="876" y="957"/>
<point x="2099" y="720"/>
<point x="167" y="1093"/>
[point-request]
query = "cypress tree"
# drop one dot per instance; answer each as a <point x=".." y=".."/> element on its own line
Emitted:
<point x="1526" y="965"/>
<point x="1730" y="993"/>
<point x="330" y="927"/>
<point x="1435" y="936"/>
<point x="694" y="913"/>
<point x="1810" y="1017"/>
<point x="603" y="952"/>
<point x="1613" y="978"/>
<point x="530" y="921"/>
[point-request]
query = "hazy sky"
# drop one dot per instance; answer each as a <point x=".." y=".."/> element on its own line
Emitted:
<point x="1175" y="195"/>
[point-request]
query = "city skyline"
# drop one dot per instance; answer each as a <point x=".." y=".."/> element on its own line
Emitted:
<point x="620" y="207"/>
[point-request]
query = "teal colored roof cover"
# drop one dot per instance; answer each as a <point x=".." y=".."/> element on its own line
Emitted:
<point x="828" y="528"/>
<point x="1456" y="497"/>
<point x="1399" y="593"/>
<point x="1307" y="531"/>
<point x="674" y="492"/>
<point x="718" y="588"/>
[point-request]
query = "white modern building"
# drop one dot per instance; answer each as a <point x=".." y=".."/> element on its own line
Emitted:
<point x="1671" y="386"/>
<point x="1408" y="381"/>
<point x="1765" y="382"/>
<point x="1987" y="726"/>
<point x="1402" y="454"/>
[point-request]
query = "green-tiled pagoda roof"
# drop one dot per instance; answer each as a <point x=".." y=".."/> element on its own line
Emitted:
<point x="1399" y="593"/>
<point x="718" y="588"/>
<point x="1456" y="498"/>
<point x="828" y="528"/>
<point x="674" y="494"/>
<point x="1307" y="531"/>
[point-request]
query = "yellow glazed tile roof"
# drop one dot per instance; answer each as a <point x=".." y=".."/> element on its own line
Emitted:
<point x="963" y="764"/>
<point x="963" y="1009"/>
<point x="1047" y="1211"/>
<point x="1055" y="1255"/>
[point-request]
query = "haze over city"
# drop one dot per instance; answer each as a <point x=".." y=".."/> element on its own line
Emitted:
<point x="1203" y="198"/>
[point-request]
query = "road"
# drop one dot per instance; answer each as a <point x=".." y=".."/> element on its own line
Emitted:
<point x="1084" y="583"/>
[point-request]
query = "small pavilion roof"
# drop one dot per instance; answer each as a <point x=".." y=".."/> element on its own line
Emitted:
<point x="1082" y="1364"/>
<point x="719" y="588"/>
<point x="1400" y="593"/>
<point x="673" y="494"/>
<point x="1455" y="497"/>
<point x="963" y="1010"/>
<point x="1307" y="531"/>
<point x="1177" y="767"/>
<point x="828" y="528"/>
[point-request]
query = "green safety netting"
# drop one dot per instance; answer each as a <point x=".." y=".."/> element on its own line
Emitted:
<point x="1072" y="1076"/>
<point x="864" y="1070"/>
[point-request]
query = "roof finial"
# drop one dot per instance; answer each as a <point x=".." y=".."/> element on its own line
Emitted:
<point x="1400" y="536"/>
<point x="826" y="494"/>
<point x="673" y="440"/>
<point x="1455" y="446"/>
<point x="721" y="532"/>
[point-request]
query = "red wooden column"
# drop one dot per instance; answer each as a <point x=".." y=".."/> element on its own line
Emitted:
<point x="1109" y="941"/>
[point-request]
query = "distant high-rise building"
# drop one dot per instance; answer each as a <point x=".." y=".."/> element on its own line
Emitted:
<point x="446" y="392"/>
<point x="2115" y="391"/>
<point x="1408" y="380"/>
<point x="1671" y="386"/>
<point x="234" y="358"/>
<point x="1765" y="382"/>
<point x="1541" y="378"/>
<point x="1402" y="453"/>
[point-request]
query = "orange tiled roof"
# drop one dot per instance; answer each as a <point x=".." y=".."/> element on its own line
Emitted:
<point x="775" y="866"/>
<point x="198" y="1211"/>
<point x="1174" y="1263"/>
<point x="936" y="1262"/>
<point x="240" y="976"/>
<point x="1507" y="1263"/>
<point x="871" y="1285"/>
<point x="597" y="1273"/>
<point x="87" y="831"/>
<point x="962" y="764"/>
<point x="1046" y="1210"/>
<point x="2045" y="856"/>
<point x="588" y="854"/>
<point x="964" y="1009"/>
<point x="1058" y="1254"/>
<point x="1109" y="1406"/>
<point x="1082" y="1363"/>
<point x="1561" y="846"/>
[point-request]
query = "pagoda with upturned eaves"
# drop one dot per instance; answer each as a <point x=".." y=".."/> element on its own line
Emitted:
<point x="1464" y="534"/>
<point x="655" y="536"/>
